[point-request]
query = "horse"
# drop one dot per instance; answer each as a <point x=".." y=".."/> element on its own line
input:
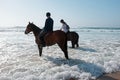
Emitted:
<point x="50" y="38"/>
<point x="74" y="38"/>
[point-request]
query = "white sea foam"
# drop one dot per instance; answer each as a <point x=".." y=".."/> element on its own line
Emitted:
<point x="97" y="54"/>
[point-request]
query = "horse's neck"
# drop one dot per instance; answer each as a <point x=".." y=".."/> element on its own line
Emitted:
<point x="36" y="33"/>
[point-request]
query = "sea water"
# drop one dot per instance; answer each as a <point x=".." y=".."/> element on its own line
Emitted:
<point x="98" y="53"/>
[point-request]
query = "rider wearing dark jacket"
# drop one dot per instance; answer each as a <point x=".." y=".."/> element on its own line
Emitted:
<point x="47" y="28"/>
<point x="48" y="25"/>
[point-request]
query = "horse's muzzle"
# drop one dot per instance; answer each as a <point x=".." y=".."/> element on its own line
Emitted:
<point x="26" y="32"/>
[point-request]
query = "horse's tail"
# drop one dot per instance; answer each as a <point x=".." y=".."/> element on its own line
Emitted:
<point x="77" y="41"/>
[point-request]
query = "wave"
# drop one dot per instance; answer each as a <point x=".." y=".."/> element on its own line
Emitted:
<point x="96" y="29"/>
<point x="12" y="29"/>
<point x="79" y="29"/>
<point x="106" y="28"/>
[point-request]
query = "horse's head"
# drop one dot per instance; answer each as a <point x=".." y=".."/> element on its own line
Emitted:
<point x="32" y="28"/>
<point x="29" y="28"/>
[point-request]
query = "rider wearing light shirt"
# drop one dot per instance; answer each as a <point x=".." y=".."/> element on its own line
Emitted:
<point x="65" y="27"/>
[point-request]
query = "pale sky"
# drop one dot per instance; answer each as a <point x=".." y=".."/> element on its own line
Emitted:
<point x="97" y="13"/>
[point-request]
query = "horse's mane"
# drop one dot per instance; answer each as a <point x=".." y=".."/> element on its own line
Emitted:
<point x="35" y="28"/>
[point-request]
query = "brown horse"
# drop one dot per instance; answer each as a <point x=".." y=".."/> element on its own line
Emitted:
<point x="74" y="38"/>
<point x="51" y="38"/>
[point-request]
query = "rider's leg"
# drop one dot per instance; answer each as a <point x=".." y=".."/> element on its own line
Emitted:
<point x="41" y="36"/>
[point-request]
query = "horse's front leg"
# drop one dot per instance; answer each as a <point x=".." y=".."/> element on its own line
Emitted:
<point x="40" y="50"/>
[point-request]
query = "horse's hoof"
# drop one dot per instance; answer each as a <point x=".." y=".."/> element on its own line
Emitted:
<point x="67" y="58"/>
<point x="40" y="55"/>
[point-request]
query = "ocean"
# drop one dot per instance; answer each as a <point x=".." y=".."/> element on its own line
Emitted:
<point x="98" y="53"/>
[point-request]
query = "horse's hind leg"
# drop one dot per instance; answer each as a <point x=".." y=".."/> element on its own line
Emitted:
<point x="77" y="45"/>
<point x="64" y="49"/>
<point x="73" y="44"/>
<point x="77" y="42"/>
<point x="40" y="50"/>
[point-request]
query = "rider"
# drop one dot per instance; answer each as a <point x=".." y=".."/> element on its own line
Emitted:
<point x="65" y="28"/>
<point x="47" y="28"/>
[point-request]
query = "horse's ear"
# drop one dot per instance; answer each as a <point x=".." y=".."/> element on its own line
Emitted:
<point x="29" y="22"/>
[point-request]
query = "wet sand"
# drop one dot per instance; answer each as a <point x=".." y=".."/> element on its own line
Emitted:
<point x="111" y="76"/>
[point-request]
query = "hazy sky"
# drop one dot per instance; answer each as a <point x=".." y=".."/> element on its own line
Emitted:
<point x="74" y="12"/>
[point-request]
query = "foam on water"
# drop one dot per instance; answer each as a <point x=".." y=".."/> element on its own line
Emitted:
<point x="19" y="58"/>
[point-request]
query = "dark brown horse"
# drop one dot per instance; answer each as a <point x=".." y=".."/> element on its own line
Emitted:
<point x="51" y="38"/>
<point x="74" y="38"/>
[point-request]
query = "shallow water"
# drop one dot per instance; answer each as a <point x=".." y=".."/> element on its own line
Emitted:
<point x="99" y="53"/>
